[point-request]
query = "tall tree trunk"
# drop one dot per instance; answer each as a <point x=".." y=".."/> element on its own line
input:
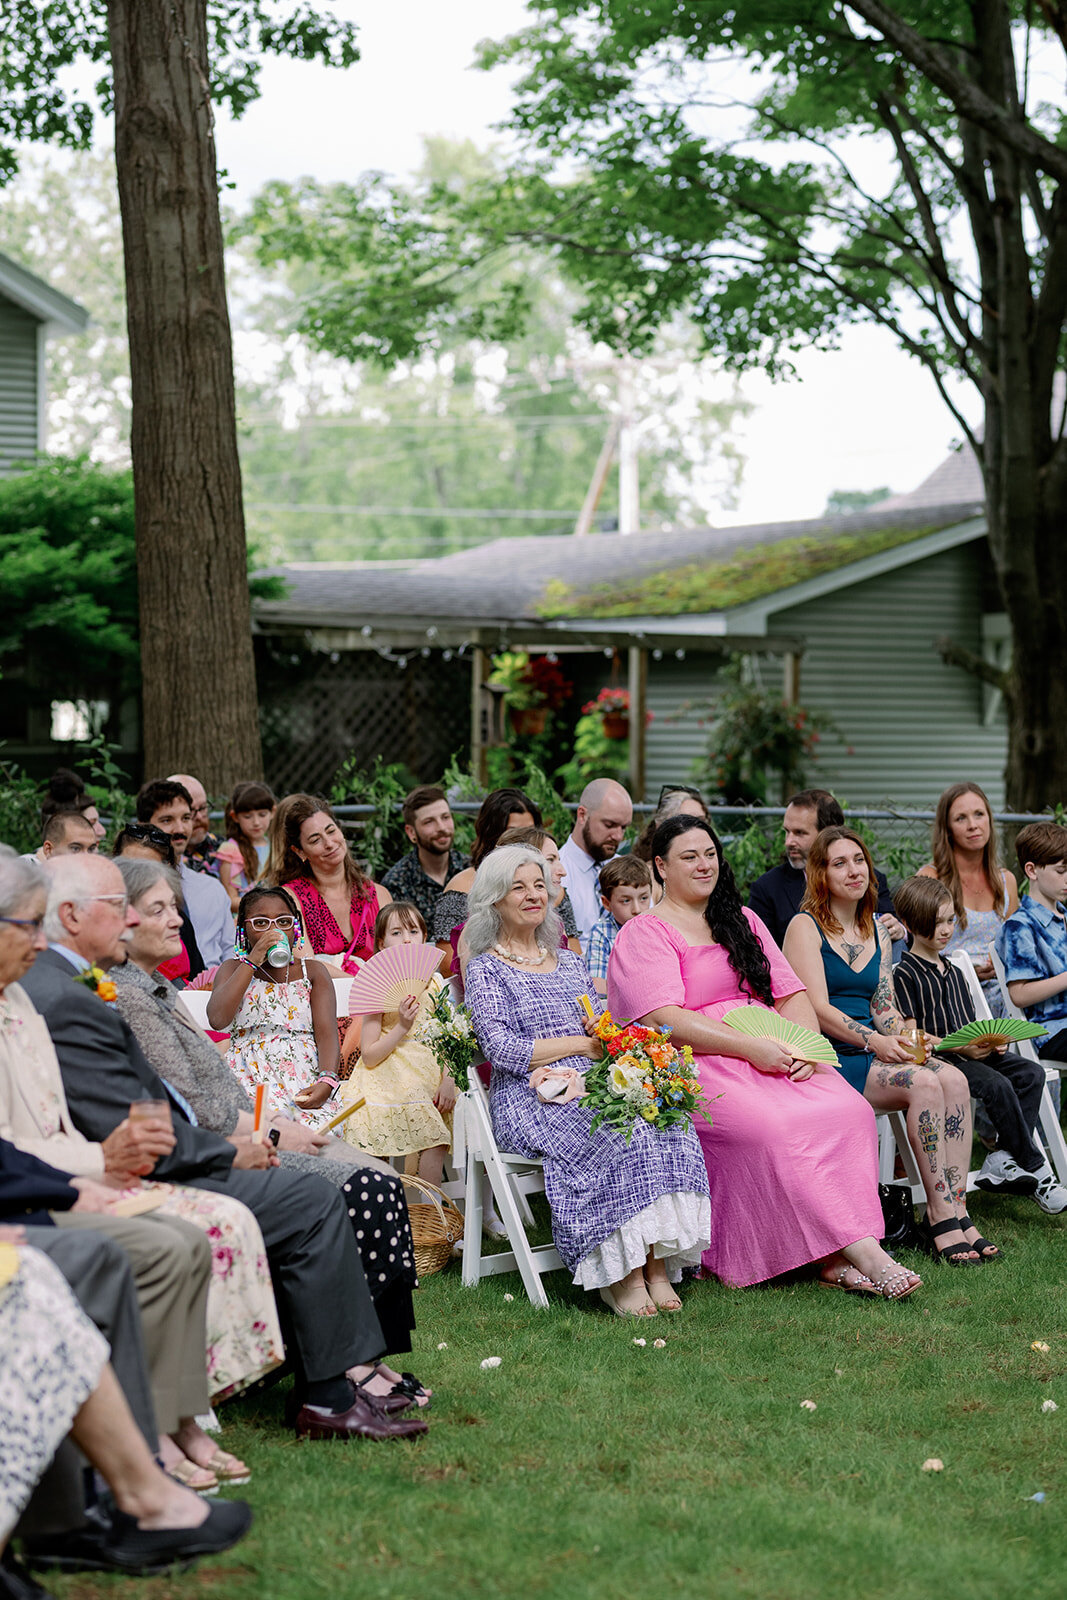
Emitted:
<point x="200" y="712"/>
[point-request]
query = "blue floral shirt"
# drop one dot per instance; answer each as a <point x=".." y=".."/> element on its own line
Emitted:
<point x="1032" y="945"/>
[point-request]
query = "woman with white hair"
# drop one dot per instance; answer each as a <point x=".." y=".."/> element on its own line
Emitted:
<point x="626" y="1217"/>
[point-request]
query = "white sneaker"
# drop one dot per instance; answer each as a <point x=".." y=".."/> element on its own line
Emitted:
<point x="1000" y="1174"/>
<point x="1051" y="1196"/>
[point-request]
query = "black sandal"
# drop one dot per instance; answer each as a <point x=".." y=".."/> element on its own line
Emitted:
<point x="953" y="1255"/>
<point x="982" y="1245"/>
<point x="410" y="1386"/>
<point x="391" y="1403"/>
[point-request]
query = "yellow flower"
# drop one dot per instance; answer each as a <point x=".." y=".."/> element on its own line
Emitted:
<point x="649" y="1113"/>
<point x="605" y="1028"/>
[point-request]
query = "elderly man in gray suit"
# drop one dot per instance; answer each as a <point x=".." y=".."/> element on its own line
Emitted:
<point x="332" y="1330"/>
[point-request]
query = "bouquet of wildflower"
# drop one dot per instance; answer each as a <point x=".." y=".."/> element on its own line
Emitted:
<point x="641" y="1074"/>
<point x="449" y="1032"/>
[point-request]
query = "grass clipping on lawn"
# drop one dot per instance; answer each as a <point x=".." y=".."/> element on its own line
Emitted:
<point x="587" y="1466"/>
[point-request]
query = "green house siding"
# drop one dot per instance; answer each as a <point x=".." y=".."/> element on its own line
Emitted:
<point x="19" y="378"/>
<point x="914" y="724"/>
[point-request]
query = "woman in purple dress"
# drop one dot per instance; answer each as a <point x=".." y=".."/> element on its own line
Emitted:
<point x="626" y="1218"/>
<point x="791" y="1150"/>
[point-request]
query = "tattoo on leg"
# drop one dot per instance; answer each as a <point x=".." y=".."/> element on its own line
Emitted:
<point x="956" y="1185"/>
<point x="954" y="1122"/>
<point x="929" y="1137"/>
<point x="939" y="1187"/>
<point x="900" y="1079"/>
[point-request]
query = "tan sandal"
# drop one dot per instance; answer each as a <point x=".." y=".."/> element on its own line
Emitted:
<point x="861" y="1284"/>
<point x="199" y="1479"/>
<point x="228" y="1469"/>
<point x="671" y="1302"/>
<point x="609" y="1300"/>
<point x="894" y="1285"/>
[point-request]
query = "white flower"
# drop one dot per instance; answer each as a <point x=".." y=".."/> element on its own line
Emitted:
<point x="442" y="1345"/>
<point x="508" y="1298"/>
<point x="933" y="1464"/>
<point x="490" y="1361"/>
<point x="1049" y="1405"/>
<point x="807" y="1405"/>
<point x="627" y="1079"/>
<point x="1039" y="1344"/>
<point x="641" y="1342"/>
<point x="659" y="1344"/>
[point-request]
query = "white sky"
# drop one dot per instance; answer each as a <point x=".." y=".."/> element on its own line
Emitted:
<point x="864" y="416"/>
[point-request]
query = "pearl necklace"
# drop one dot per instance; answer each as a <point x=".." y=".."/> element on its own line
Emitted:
<point x="526" y="961"/>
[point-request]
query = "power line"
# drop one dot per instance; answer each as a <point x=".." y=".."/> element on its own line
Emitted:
<point x="548" y="420"/>
<point x="406" y="511"/>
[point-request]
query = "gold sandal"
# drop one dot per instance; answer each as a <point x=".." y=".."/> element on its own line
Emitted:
<point x="199" y="1479"/>
<point x="228" y="1469"/>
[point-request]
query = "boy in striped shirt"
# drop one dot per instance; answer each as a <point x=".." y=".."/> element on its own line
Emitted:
<point x="625" y="891"/>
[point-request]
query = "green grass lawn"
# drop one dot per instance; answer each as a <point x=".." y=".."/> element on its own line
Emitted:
<point x="586" y="1466"/>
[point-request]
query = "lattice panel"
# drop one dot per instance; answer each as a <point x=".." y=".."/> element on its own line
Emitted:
<point x="361" y="705"/>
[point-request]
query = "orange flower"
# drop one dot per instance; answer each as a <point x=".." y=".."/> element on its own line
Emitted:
<point x="106" y="990"/>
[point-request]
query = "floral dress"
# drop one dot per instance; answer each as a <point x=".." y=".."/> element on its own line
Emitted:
<point x="51" y="1358"/>
<point x="399" y="1117"/>
<point x="272" y="1041"/>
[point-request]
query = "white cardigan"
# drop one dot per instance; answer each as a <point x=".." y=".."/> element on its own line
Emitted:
<point x="33" y="1106"/>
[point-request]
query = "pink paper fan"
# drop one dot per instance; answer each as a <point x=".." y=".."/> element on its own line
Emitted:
<point x="389" y="975"/>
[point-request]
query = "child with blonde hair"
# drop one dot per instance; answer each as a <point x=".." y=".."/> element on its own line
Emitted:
<point x="408" y="1098"/>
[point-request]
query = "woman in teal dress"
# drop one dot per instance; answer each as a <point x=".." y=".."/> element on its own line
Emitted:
<point x="843" y="957"/>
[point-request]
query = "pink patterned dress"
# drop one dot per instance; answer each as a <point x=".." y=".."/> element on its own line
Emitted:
<point x="792" y="1167"/>
<point x="320" y="924"/>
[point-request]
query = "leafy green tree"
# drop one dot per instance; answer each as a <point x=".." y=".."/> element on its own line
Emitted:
<point x="841" y="502"/>
<point x="777" y="174"/>
<point x="69" y="627"/>
<point x="161" y="64"/>
<point x="507" y="413"/>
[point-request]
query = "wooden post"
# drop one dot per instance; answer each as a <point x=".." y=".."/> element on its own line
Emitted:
<point x="637" y="663"/>
<point x="479" y="730"/>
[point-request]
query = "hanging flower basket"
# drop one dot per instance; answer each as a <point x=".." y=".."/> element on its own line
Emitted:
<point x="528" y="722"/>
<point x="616" y="725"/>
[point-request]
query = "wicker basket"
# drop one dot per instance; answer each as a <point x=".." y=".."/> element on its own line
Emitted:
<point x="436" y="1225"/>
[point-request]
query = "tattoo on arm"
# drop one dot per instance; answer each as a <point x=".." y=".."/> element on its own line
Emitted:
<point x="862" y="1033"/>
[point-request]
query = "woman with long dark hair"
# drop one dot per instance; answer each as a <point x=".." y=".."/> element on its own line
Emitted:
<point x="790" y="1149"/>
<point x="309" y="857"/>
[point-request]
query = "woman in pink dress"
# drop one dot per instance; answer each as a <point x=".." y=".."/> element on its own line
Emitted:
<point x="790" y="1149"/>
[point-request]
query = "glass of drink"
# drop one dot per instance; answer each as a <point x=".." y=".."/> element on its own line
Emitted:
<point x="150" y="1111"/>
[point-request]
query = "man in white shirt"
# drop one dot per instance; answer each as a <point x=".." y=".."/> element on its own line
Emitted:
<point x="604" y="813"/>
<point x="167" y="806"/>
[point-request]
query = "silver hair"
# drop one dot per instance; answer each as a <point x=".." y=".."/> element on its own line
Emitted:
<point x="491" y="883"/>
<point x="71" y="879"/>
<point x="139" y="876"/>
<point x="19" y="879"/>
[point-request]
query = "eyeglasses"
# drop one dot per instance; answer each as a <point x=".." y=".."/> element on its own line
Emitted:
<point x="678" y="788"/>
<point x="120" y="900"/>
<point x="261" y="924"/>
<point x="34" y="923"/>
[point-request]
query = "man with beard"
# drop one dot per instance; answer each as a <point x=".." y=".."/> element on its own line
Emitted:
<point x="421" y="875"/>
<point x="776" y="897"/>
<point x="167" y="806"/>
<point x="203" y="845"/>
<point x="604" y="813"/>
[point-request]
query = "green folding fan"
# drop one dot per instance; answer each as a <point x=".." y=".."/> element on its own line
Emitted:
<point x="759" y="1023"/>
<point x="991" y="1031"/>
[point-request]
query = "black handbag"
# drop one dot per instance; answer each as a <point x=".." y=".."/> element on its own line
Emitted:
<point x="898" y="1219"/>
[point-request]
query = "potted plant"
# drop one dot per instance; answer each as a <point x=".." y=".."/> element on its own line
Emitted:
<point x="612" y="706"/>
<point x="533" y="688"/>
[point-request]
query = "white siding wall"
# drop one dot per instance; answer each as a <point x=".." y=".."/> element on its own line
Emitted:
<point x="913" y="724"/>
<point x="18" y="385"/>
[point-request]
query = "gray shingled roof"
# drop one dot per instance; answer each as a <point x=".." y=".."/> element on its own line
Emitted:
<point x="957" y="481"/>
<point x="506" y="580"/>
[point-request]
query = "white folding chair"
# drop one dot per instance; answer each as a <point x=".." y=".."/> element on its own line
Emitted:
<point x="511" y="1179"/>
<point x="1048" y="1121"/>
<point x="194" y="1003"/>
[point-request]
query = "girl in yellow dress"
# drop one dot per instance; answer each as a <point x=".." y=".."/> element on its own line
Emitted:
<point x="409" y="1100"/>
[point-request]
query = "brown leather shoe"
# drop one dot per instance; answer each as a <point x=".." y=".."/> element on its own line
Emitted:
<point x="360" y="1421"/>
